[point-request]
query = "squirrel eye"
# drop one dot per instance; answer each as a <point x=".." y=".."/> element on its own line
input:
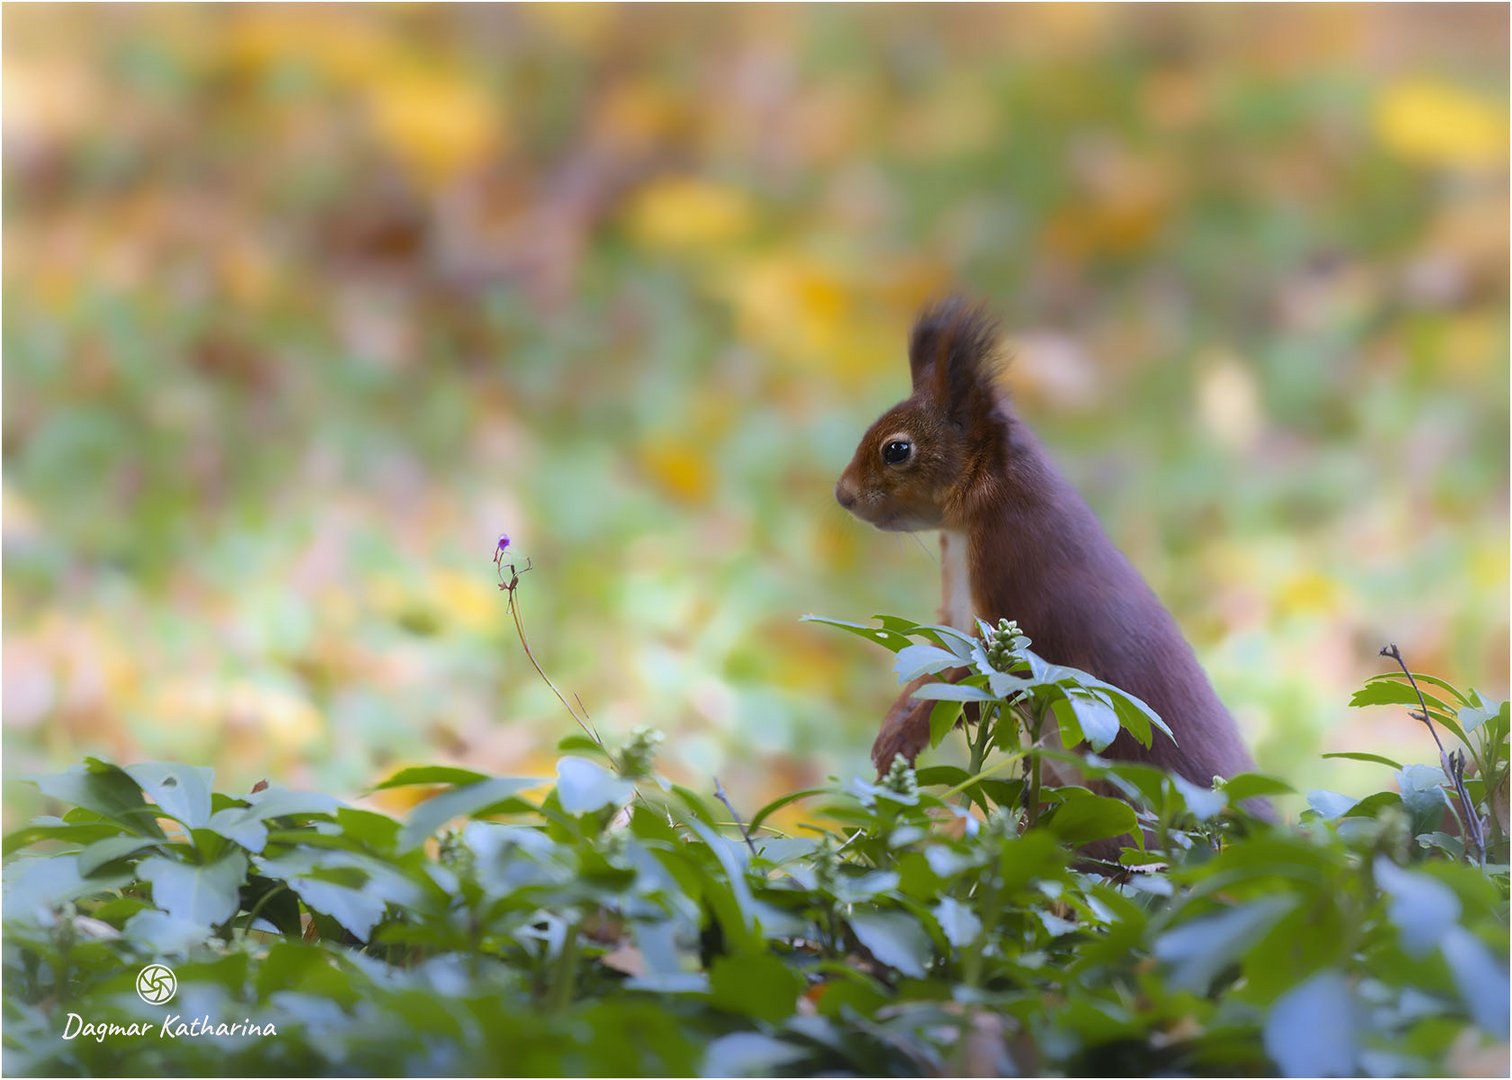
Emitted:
<point x="896" y="453"/>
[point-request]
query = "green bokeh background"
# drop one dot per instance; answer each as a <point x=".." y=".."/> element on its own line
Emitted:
<point x="305" y="305"/>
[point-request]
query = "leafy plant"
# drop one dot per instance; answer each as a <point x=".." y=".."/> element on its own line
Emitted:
<point x="606" y="921"/>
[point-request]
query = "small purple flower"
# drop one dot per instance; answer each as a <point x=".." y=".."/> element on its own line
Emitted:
<point x="503" y="543"/>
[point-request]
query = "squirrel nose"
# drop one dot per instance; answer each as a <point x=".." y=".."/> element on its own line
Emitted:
<point x="845" y="494"/>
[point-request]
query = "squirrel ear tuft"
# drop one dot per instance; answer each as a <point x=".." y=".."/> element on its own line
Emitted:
<point x="954" y="359"/>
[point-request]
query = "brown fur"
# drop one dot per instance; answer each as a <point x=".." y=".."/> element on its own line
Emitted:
<point x="1036" y="553"/>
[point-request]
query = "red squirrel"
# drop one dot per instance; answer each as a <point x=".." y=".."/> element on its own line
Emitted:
<point x="1018" y="542"/>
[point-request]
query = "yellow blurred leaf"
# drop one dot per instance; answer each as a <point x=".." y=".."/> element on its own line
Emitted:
<point x="957" y="118"/>
<point x="399" y="801"/>
<point x="792" y="305"/>
<point x="1309" y="593"/>
<point x="1120" y="225"/>
<point x="248" y="272"/>
<point x="1439" y="124"/>
<point x="1488" y="566"/>
<point x="683" y="213"/>
<point x="348" y="49"/>
<point x="1175" y="99"/>
<point x="472" y="601"/>
<point x="584" y="25"/>
<point x="437" y="123"/>
<point x="286" y="720"/>
<point x="680" y="467"/>
<point x="639" y="114"/>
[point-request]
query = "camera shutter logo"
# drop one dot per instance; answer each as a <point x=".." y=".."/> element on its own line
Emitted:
<point x="156" y="984"/>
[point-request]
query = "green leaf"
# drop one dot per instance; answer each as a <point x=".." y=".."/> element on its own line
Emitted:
<point x="35" y="885"/>
<point x="850" y="993"/>
<point x="696" y="805"/>
<point x="1330" y="804"/>
<point x="898" y="625"/>
<point x="1423" y="795"/>
<point x="941" y="775"/>
<point x="1452" y="845"/>
<point x="915" y="660"/>
<point x="1005" y="685"/>
<point x="1481" y="979"/>
<point x="165" y="934"/>
<point x="1201" y="802"/>
<point x="1097" y="719"/>
<point x="1371" y="806"/>
<point x="1433" y="680"/>
<point x="1479" y="712"/>
<point x="1422" y="907"/>
<point x="1092" y="817"/>
<point x="1196" y="951"/>
<point x="1354" y="755"/>
<point x="352" y="888"/>
<point x="291" y="967"/>
<point x="182" y="792"/>
<point x="103" y="852"/>
<point x="1245" y="786"/>
<point x="1312" y="1029"/>
<point x="275" y="903"/>
<point x="958" y="922"/>
<point x="1136" y="716"/>
<point x="1391" y="689"/>
<point x="244" y="824"/>
<point x="357" y="912"/>
<point x="469" y="801"/>
<point x="957" y="641"/>
<point x="894" y="938"/>
<point x="942" y="718"/>
<point x="944" y="691"/>
<point x="730" y="895"/>
<point x="584" y="786"/>
<point x="204" y="895"/>
<point x="747" y="1053"/>
<point x="368" y="827"/>
<point x="888" y="639"/>
<point x="1068" y="728"/>
<point x="579" y="743"/>
<point x="756" y="985"/>
<point x="431" y="774"/>
<point x="80" y="833"/>
<point x="785" y="800"/>
<point x="107" y="790"/>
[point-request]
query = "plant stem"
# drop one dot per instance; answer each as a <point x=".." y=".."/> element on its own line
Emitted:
<point x="719" y="793"/>
<point x="1031" y="812"/>
<point x="979" y="745"/>
<point x="262" y="902"/>
<point x="1001" y="764"/>
<point x="562" y="977"/>
<point x="514" y="609"/>
<point x="1454" y="767"/>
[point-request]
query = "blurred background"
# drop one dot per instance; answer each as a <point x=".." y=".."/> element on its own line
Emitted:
<point x="305" y="305"/>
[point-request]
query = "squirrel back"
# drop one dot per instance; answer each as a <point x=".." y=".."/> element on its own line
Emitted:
<point x="956" y="457"/>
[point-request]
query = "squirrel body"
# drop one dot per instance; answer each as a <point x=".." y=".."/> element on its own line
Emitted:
<point x="1017" y="541"/>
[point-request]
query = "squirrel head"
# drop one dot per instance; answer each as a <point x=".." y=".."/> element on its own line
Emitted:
<point x="926" y="460"/>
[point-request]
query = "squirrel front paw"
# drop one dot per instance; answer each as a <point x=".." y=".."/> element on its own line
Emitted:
<point x="906" y="733"/>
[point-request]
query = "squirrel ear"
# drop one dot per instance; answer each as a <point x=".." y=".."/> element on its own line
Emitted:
<point x="953" y="357"/>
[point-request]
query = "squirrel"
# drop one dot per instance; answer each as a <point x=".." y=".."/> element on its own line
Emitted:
<point x="1017" y="541"/>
